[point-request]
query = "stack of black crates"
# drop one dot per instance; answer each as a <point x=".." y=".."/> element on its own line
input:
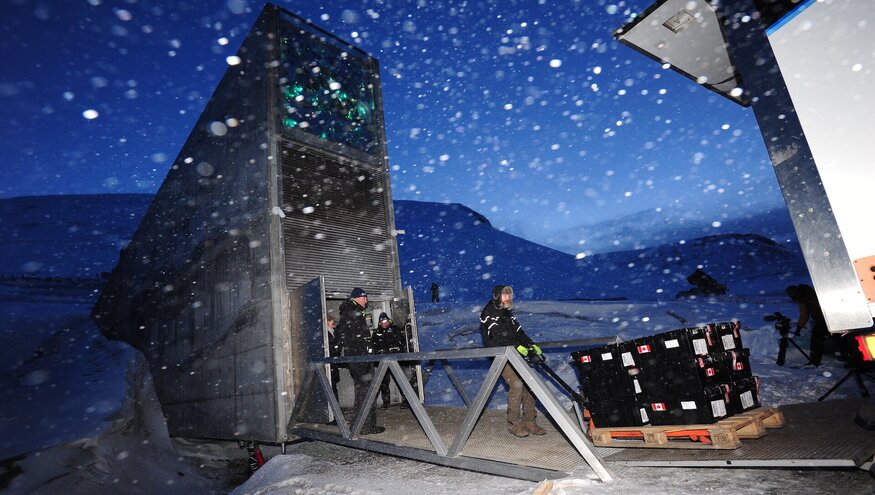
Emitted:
<point x="696" y="375"/>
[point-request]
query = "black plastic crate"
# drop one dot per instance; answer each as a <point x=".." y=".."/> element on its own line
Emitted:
<point x="617" y="412"/>
<point x="705" y="406"/>
<point x="743" y="394"/>
<point x="686" y="343"/>
<point x="728" y="335"/>
<point x="739" y="364"/>
<point x="602" y="375"/>
<point x="714" y="368"/>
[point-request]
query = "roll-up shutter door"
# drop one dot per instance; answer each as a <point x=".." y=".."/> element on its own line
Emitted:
<point x="336" y="223"/>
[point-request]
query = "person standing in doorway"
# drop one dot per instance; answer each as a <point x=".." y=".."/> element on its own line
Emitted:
<point x="435" y="292"/>
<point x="500" y="328"/>
<point x="334" y="350"/>
<point x="389" y="339"/>
<point x="355" y="335"/>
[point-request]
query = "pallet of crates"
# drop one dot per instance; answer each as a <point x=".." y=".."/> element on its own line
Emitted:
<point x="687" y="388"/>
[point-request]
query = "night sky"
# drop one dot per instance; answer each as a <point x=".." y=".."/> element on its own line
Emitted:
<point x="527" y="111"/>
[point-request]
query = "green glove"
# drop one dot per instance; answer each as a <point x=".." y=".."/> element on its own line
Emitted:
<point x="522" y="350"/>
<point x="534" y="347"/>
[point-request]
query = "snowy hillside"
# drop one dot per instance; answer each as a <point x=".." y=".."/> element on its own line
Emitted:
<point x="66" y="236"/>
<point x="654" y="227"/>
<point x="459" y="249"/>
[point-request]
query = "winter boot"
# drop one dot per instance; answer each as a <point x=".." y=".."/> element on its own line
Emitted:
<point x="535" y="429"/>
<point x="518" y="430"/>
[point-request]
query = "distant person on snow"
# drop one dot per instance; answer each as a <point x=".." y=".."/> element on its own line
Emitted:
<point x="500" y="328"/>
<point x="355" y="335"/>
<point x="435" y="292"/>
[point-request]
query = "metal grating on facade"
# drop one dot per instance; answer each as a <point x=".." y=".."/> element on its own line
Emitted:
<point x="335" y="223"/>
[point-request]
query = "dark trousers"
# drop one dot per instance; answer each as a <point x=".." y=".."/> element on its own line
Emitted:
<point x="384" y="387"/>
<point x="362" y="375"/>
<point x="818" y="335"/>
<point x="335" y="378"/>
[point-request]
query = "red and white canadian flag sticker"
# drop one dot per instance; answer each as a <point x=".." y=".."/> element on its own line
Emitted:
<point x="709" y="372"/>
<point x="585" y="359"/>
<point x="643" y="349"/>
<point x="658" y="406"/>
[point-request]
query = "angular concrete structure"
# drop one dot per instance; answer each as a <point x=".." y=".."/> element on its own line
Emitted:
<point x="278" y="204"/>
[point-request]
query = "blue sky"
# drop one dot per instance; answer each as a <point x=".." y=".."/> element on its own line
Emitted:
<point x="527" y="111"/>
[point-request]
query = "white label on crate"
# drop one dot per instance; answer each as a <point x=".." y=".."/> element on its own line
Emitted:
<point x="607" y="356"/>
<point x="747" y="400"/>
<point x="671" y="344"/>
<point x="627" y="359"/>
<point x="728" y="342"/>
<point x="637" y="387"/>
<point x="718" y="408"/>
<point x="688" y="404"/>
<point x="644" y="418"/>
<point x="700" y="347"/>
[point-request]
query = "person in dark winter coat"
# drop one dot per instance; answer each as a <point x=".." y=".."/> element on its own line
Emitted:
<point x="435" y="292"/>
<point x="354" y="333"/>
<point x="500" y="328"/>
<point x="388" y="339"/>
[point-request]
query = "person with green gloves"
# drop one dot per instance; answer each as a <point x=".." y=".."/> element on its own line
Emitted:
<point x="500" y="328"/>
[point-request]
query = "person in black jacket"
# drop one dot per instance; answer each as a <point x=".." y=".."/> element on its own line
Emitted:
<point x="500" y="328"/>
<point x="389" y="339"/>
<point x="354" y="333"/>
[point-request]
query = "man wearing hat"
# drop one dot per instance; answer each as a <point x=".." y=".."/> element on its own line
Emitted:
<point x="389" y="339"/>
<point x="355" y="334"/>
<point x="500" y="328"/>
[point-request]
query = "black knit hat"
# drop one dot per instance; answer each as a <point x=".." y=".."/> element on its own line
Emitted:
<point x="384" y="317"/>
<point x="357" y="292"/>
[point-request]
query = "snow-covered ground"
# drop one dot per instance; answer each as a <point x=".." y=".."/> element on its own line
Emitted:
<point x="81" y="417"/>
<point x="78" y="412"/>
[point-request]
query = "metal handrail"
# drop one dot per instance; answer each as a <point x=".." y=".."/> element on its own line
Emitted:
<point x="501" y="356"/>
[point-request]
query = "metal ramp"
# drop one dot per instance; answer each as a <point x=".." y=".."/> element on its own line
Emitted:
<point x="816" y="435"/>
<point x="471" y="438"/>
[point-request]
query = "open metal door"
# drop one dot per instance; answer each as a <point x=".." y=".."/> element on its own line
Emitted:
<point x="309" y="342"/>
<point x="404" y="309"/>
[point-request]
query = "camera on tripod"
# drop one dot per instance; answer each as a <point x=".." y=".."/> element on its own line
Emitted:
<point x="782" y="323"/>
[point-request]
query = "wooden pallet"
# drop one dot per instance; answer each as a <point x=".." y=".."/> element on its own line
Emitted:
<point x="724" y="434"/>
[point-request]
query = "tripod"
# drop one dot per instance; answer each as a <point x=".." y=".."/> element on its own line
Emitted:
<point x="782" y="350"/>
<point x="859" y="372"/>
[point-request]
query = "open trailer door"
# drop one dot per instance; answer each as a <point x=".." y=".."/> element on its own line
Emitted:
<point x="309" y="340"/>
<point x="404" y="310"/>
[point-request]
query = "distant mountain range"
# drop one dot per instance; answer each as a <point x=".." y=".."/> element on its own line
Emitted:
<point x="448" y="244"/>
<point x="67" y="236"/>
<point x="459" y="249"/>
<point x="653" y="228"/>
